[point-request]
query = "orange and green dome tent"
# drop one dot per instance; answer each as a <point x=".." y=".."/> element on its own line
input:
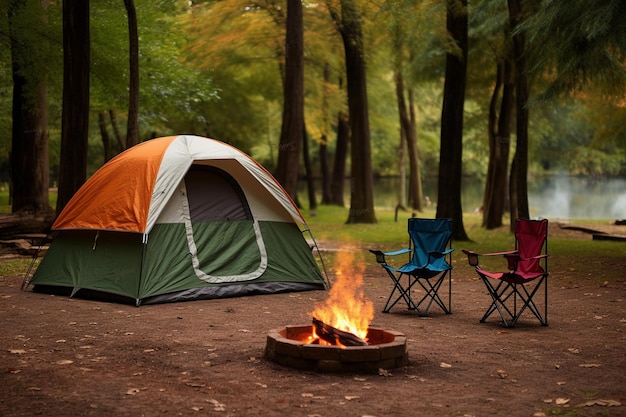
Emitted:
<point x="179" y="218"/>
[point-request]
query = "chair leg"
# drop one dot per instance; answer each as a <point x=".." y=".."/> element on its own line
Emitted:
<point x="499" y="296"/>
<point x="528" y="301"/>
<point x="432" y="294"/>
<point x="403" y="293"/>
<point x="505" y="291"/>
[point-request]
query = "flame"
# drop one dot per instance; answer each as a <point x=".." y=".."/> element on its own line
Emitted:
<point x="346" y="307"/>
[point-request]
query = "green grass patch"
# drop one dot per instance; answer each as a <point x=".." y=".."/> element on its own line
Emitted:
<point x="575" y="260"/>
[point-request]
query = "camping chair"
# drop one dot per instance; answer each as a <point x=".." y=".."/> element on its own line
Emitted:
<point x="430" y="263"/>
<point x="513" y="292"/>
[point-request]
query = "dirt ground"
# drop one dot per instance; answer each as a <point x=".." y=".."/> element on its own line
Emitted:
<point x="64" y="357"/>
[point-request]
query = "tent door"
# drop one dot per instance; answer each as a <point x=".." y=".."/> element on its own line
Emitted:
<point x="225" y="242"/>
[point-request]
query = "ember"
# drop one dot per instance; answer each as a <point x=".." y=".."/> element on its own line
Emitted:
<point x="334" y="336"/>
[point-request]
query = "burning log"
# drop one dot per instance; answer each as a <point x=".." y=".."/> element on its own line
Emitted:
<point x="335" y="336"/>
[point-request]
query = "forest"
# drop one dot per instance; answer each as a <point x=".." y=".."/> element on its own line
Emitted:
<point x="493" y="90"/>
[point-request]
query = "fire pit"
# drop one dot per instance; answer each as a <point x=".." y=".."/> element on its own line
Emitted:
<point x="340" y="338"/>
<point x="288" y="346"/>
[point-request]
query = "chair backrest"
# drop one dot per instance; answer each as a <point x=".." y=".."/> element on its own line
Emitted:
<point x="429" y="235"/>
<point x="531" y="239"/>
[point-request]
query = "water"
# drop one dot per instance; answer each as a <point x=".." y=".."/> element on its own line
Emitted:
<point x="552" y="197"/>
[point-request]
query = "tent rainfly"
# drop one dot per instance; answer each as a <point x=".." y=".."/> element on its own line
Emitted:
<point x="179" y="218"/>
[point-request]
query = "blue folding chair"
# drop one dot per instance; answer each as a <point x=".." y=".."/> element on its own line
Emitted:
<point x="430" y="264"/>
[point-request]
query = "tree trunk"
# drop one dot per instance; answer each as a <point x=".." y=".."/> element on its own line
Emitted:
<point x="341" y="154"/>
<point x="116" y="130"/>
<point x="450" y="158"/>
<point x="29" y="147"/>
<point x="293" y="106"/>
<point x="410" y="133"/>
<point x="132" y="127"/>
<point x="416" y="189"/>
<point x="325" y="172"/>
<point x="75" y="119"/>
<point x="521" y="105"/>
<point x="310" y="185"/>
<point x="104" y="134"/>
<point x="362" y="178"/>
<point x="403" y="118"/>
<point x="496" y="184"/>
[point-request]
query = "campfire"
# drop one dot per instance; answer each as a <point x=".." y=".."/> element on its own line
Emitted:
<point x="340" y="337"/>
<point x="343" y="319"/>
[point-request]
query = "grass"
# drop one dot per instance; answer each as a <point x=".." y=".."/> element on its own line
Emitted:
<point x="592" y="260"/>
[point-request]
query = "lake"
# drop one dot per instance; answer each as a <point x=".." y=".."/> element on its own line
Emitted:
<point x="552" y="197"/>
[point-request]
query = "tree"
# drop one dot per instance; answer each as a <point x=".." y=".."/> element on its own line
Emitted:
<point x="362" y="178"/>
<point x="75" y="119"/>
<point x="499" y="133"/>
<point x="450" y="159"/>
<point x="132" y="127"/>
<point x="519" y="168"/>
<point x="29" y="153"/>
<point x="582" y="43"/>
<point x="291" y="135"/>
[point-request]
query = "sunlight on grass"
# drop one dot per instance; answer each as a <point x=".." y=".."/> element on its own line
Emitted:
<point x="570" y="259"/>
<point x="17" y="266"/>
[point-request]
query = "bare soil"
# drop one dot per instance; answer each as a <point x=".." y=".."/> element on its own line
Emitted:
<point x="64" y="357"/>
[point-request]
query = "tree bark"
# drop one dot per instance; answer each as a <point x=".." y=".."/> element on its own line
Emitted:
<point x="451" y="152"/>
<point x="496" y="184"/>
<point x="362" y="178"/>
<point x="29" y="146"/>
<point x="75" y="118"/>
<point x="104" y="134"/>
<point x="417" y="190"/>
<point x="341" y="155"/>
<point x="520" y="175"/>
<point x="132" y="127"/>
<point x="308" y="169"/>
<point x="291" y="136"/>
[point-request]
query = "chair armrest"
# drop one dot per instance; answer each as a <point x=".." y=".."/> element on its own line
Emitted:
<point x="472" y="257"/>
<point x="380" y="255"/>
<point x="440" y="254"/>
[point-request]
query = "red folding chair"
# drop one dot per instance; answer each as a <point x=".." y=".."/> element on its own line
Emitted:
<point x="513" y="292"/>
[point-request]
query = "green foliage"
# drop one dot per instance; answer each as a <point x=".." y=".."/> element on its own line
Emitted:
<point x="214" y="68"/>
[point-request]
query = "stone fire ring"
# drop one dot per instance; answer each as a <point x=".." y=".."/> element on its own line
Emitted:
<point x="386" y="350"/>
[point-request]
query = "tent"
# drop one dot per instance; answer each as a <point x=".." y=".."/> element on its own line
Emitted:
<point x="179" y="218"/>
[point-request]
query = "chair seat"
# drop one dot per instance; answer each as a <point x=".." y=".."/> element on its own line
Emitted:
<point x="511" y="277"/>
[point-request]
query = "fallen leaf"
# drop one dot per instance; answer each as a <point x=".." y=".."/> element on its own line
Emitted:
<point x="64" y="362"/>
<point x="445" y="365"/>
<point x="351" y="397"/>
<point x="261" y="385"/>
<point x="589" y="365"/>
<point x="561" y="401"/>
<point x="17" y="351"/>
<point x="383" y="372"/>
<point x="132" y="391"/>
<point x="217" y="406"/>
<point x="574" y="350"/>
